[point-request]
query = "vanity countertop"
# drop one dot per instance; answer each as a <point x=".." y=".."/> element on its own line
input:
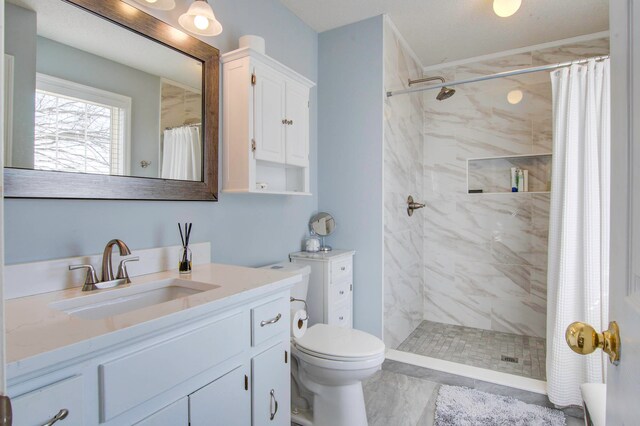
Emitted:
<point x="34" y="328"/>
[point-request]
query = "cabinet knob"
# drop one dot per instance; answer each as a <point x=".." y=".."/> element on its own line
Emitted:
<point x="284" y="121"/>
<point x="62" y="414"/>
<point x="341" y="318"/>
<point x="341" y="292"/>
<point x="343" y="268"/>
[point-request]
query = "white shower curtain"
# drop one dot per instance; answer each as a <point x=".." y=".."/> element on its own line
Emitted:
<point x="182" y="154"/>
<point x="578" y="272"/>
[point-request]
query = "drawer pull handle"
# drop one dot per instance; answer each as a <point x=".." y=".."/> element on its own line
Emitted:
<point x="62" y="414"/>
<point x="343" y="268"/>
<point x="271" y="321"/>
<point x="273" y="402"/>
<point x="341" y="318"/>
<point x="341" y="292"/>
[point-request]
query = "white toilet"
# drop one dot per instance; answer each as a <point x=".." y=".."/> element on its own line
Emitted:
<point x="329" y="365"/>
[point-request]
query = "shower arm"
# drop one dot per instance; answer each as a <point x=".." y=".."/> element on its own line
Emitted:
<point x="425" y="79"/>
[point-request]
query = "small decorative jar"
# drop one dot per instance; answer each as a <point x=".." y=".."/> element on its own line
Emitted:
<point x="184" y="263"/>
<point x="312" y="244"/>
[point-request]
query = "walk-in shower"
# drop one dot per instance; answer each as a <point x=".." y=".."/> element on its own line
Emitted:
<point x="465" y="277"/>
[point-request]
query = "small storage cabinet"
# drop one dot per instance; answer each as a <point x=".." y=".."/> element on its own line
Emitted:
<point x="330" y="294"/>
<point x="265" y="132"/>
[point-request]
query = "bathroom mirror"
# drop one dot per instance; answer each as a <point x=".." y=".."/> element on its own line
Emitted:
<point x="322" y="224"/>
<point x="105" y="101"/>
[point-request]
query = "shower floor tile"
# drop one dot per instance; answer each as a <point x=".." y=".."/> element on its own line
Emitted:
<point x="493" y="350"/>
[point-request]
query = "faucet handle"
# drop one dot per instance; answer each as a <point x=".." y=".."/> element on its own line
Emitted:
<point x="122" y="269"/>
<point x="90" y="280"/>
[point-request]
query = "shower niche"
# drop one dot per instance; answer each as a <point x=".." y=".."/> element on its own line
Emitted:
<point x="491" y="175"/>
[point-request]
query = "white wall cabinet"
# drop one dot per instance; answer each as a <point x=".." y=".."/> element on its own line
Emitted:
<point x="210" y="371"/>
<point x="265" y="132"/>
<point x="330" y="294"/>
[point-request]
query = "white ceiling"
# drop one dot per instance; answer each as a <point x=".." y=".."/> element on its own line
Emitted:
<point x="67" y="24"/>
<point x="447" y="30"/>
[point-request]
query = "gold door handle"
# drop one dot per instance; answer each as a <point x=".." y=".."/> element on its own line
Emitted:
<point x="584" y="339"/>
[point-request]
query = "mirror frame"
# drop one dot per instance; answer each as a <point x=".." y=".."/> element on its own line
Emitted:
<point x="29" y="183"/>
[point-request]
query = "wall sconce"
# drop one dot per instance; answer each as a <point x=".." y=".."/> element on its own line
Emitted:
<point x="199" y="19"/>
<point x="158" y="4"/>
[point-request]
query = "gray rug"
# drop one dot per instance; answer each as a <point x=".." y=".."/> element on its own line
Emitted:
<point x="459" y="406"/>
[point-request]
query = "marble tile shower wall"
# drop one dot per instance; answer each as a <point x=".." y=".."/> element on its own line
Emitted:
<point x="403" y="175"/>
<point x="485" y="255"/>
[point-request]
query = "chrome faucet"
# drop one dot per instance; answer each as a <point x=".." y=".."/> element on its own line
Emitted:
<point x="107" y="267"/>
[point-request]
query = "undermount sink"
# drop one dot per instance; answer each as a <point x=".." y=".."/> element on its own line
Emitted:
<point x="107" y="303"/>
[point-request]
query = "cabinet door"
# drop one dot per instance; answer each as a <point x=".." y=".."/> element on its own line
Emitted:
<point x="224" y="402"/>
<point x="269" y="113"/>
<point x="297" y="129"/>
<point x="175" y="414"/>
<point x="271" y="387"/>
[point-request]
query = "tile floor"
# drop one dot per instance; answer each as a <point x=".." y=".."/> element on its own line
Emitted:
<point x="405" y="395"/>
<point x="480" y="348"/>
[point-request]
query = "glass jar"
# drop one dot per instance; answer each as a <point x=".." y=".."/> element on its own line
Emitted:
<point x="184" y="262"/>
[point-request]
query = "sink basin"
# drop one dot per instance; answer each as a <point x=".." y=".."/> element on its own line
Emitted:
<point x="106" y="303"/>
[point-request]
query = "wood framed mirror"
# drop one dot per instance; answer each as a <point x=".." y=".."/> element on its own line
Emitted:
<point x="103" y="158"/>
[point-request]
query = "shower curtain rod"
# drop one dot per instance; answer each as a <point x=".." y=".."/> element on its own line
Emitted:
<point x="497" y="75"/>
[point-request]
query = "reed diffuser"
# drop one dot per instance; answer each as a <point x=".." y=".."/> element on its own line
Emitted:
<point x="184" y="263"/>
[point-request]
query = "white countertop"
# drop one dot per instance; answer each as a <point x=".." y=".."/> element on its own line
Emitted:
<point x="34" y="328"/>
<point x="322" y="255"/>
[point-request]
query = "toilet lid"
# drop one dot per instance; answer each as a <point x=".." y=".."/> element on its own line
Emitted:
<point x="337" y="342"/>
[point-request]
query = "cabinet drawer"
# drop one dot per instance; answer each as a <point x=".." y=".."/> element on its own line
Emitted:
<point x="340" y="316"/>
<point x="269" y="320"/>
<point x="133" y="379"/>
<point x="339" y="293"/>
<point x="40" y="406"/>
<point x="341" y="270"/>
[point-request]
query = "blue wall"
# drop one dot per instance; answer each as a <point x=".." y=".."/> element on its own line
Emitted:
<point x="243" y="229"/>
<point x="350" y="138"/>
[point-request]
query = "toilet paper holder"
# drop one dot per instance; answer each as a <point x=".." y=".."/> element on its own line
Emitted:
<point x="293" y="299"/>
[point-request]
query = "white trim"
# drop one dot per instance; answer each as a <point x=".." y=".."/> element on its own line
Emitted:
<point x="72" y="89"/>
<point x="477" y="373"/>
<point x="9" y="71"/>
<point x="403" y="41"/>
<point x="525" y="49"/>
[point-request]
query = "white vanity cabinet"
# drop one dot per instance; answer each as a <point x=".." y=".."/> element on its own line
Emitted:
<point x="207" y="370"/>
<point x="330" y="294"/>
<point x="265" y="127"/>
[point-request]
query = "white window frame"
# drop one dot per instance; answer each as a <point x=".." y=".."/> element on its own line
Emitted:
<point x="70" y="89"/>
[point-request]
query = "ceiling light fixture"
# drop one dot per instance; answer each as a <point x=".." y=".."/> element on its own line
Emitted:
<point x="505" y="8"/>
<point x="199" y="19"/>
<point x="158" y="4"/>
<point x="515" y="96"/>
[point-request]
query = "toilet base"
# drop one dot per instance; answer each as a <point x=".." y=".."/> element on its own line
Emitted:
<point x="330" y="409"/>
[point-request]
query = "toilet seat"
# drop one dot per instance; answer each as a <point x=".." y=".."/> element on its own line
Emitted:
<point x="334" y="343"/>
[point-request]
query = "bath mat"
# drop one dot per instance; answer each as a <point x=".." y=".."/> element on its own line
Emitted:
<point x="460" y="406"/>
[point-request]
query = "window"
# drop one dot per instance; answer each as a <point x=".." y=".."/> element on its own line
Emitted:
<point x="80" y="128"/>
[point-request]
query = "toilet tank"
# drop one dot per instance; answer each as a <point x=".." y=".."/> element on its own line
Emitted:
<point x="299" y="290"/>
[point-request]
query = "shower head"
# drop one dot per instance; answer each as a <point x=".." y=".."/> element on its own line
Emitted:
<point x="445" y="93"/>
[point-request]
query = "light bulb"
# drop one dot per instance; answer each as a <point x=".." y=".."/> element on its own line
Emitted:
<point x="515" y="96"/>
<point x="151" y="1"/>
<point x="201" y="22"/>
<point x="505" y="8"/>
